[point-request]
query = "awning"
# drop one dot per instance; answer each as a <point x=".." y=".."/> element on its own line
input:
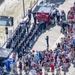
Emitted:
<point x="5" y="53"/>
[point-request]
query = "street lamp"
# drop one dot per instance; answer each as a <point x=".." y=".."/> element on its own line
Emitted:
<point x="23" y="8"/>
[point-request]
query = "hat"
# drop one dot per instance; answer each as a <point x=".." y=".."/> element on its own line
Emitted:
<point x="33" y="50"/>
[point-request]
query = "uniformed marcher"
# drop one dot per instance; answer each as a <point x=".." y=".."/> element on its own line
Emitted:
<point x="44" y="25"/>
<point x="47" y="41"/>
<point x="29" y="14"/>
<point x="35" y="18"/>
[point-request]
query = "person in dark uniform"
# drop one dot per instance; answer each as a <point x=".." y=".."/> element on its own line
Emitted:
<point x="47" y="41"/>
<point x="29" y="14"/>
<point x="44" y="25"/>
<point x="52" y="19"/>
<point x="63" y="27"/>
<point x="28" y="26"/>
<point x="58" y="17"/>
<point x="35" y="18"/>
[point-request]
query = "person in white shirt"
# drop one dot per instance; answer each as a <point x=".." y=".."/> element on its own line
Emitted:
<point x="33" y="71"/>
<point x="58" y="60"/>
<point x="33" y="63"/>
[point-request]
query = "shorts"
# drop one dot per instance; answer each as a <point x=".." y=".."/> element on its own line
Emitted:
<point x="52" y="70"/>
<point x="27" y="67"/>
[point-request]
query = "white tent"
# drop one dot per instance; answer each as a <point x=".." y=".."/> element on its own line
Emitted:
<point x="5" y="53"/>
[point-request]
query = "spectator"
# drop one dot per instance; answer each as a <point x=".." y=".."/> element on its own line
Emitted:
<point x="33" y="71"/>
<point x="58" y="16"/>
<point x="57" y="69"/>
<point x="52" y="68"/>
<point x="20" y="65"/>
<point x="63" y="15"/>
<point x="4" y="70"/>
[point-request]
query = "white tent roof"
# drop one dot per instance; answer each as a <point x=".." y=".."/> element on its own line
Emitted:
<point x="4" y="52"/>
<point x="45" y="9"/>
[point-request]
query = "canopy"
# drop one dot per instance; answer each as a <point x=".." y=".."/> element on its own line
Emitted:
<point x="5" y="53"/>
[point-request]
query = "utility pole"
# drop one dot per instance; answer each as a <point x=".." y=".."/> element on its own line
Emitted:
<point x="23" y="8"/>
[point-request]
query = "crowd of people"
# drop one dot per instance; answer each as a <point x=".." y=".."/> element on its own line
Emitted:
<point x="60" y="59"/>
<point x="48" y="60"/>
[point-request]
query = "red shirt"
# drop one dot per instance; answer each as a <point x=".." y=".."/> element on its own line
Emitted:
<point x="67" y="60"/>
<point x="52" y="67"/>
<point x="37" y="65"/>
<point x="52" y="59"/>
<point x="71" y="17"/>
<point x="49" y="55"/>
<point x="40" y="73"/>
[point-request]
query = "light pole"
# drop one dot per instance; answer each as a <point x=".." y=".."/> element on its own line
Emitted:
<point x="23" y="8"/>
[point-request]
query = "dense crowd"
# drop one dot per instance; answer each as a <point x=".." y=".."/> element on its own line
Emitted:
<point x="48" y="60"/>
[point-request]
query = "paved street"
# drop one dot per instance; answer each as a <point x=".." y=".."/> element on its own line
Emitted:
<point x="53" y="32"/>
